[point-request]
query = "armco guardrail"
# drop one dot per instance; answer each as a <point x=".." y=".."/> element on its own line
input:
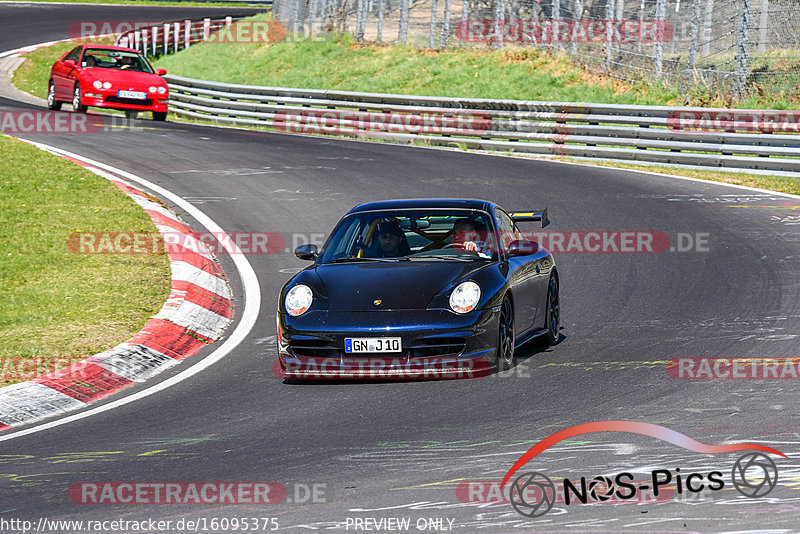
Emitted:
<point x="721" y="138"/>
<point x="172" y="36"/>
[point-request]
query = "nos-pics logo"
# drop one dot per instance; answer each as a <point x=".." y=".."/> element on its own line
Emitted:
<point x="533" y="494"/>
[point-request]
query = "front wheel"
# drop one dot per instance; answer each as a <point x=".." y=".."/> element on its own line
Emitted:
<point x="553" y="312"/>
<point x="505" y="341"/>
<point x="52" y="103"/>
<point x="160" y="116"/>
<point x="76" y="100"/>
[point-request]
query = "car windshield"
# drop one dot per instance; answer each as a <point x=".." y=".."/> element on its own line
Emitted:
<point x="416" y="234"/>
<point x="115" y="59"/>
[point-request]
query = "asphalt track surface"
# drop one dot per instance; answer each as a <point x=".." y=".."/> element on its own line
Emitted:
<point x="396" y="450"/>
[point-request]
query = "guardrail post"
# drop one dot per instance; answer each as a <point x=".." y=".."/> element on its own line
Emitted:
<point x="176" y="31"/>
<point x="145" y="48"/>
<point x="206" y="28"/>
<point x="432" y="29"/>
<point x="187" y="33"/>
<point x="742" y="41"/>
<point x="445" y="40"/>
<point x="166" y="38"/>
<point x="228" y="21"/>
<point x="154" y="35"/>
<point x="137" y="37"/>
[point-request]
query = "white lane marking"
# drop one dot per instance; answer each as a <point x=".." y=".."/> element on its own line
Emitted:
<point x="252" y="301"/>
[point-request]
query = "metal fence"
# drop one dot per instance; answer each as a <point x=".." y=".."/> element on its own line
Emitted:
<point x="170" y="37"/>
<point x="733" y="46"/>
<point x="718" y="138"/>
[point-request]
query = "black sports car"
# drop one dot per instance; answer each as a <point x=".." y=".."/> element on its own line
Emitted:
<point x="434" y="288"/>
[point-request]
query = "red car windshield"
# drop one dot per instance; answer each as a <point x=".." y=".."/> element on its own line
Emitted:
<point x="115" y="59"/>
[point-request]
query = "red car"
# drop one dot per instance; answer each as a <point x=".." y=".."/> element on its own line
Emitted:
<point x="108" y="77"/>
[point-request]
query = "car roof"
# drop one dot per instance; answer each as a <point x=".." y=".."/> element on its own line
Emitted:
<point x="475" y="204"/>
<point x="109" y="47"/>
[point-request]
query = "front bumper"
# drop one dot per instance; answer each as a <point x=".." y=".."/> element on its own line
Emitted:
<point x="111" y="101"/>
<point x="436" y="344"/>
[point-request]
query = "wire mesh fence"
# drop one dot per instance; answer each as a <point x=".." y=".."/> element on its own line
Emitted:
<point x="726" y="46"/>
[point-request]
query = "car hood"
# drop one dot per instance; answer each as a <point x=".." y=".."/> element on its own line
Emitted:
<point x="401" y="285"/>
<point x="123" y="79"/>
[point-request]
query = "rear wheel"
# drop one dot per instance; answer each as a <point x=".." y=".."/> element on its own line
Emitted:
<point x="505" y="342"/>
<point x="76" y="100"/>
<point x="52" y="103"/>
<point x="553" y="312"/>
<point x="159" y="116"/>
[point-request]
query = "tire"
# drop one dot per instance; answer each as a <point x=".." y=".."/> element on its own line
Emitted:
<point x="52" y="103"/>
<point x="160" y="116"/>
<point x="505" y="338"/>
<point x="131" y="114"/>
<point x="553" y="318"/>
<point x="76" y="100"/>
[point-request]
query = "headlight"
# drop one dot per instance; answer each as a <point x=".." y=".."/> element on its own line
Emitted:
<point x="162" y="90"/>
<point x="98" y="84"/>
<point x="465" y="297"/>
<point x="298" y="300"/>
<point x="106" y="85"/>
<point x="153" y="89"/>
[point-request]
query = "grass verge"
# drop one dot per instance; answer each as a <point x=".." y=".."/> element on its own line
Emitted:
<point x="59" y="307"/>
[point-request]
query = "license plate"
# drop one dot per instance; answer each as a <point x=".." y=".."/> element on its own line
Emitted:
<point x="372" y="344"/>
<point x="136" y="95"/>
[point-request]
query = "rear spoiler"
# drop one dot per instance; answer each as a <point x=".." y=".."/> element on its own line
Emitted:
<point x="530" y="216"/>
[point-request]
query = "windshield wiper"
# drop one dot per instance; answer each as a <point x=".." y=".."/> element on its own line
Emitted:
<point x="353" y="260"/>
<point x="445" y="257"/>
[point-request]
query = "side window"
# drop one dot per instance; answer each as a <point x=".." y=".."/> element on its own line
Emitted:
<point x="507" y="229"/>
<point x="74" y="54"/>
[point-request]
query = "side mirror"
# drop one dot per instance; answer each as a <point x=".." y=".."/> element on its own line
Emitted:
<point x="70" y="63"/>
<point x="307" y="252"/>
<point x="161" y="72"/>
<point x="522" y="247"/>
